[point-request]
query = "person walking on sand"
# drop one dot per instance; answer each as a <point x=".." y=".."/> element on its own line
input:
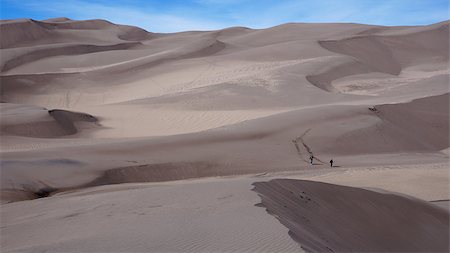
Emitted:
<point x="311" y="158"/>
<point x="331" y="163"/>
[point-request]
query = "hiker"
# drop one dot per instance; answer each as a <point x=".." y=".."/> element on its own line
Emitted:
<point x="311" y="158"/>
<point x="331" y="163"/>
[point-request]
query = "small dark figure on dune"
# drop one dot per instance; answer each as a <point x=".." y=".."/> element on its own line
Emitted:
<point x="331" y="163"/>
<point x="311" y="158"/>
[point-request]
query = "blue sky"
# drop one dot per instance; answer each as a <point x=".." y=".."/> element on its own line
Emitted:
<point x="179" y="15"/>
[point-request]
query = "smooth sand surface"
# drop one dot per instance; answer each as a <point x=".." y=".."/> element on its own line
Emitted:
<point x="87" y="106"/>
<point x="215" y="214"/>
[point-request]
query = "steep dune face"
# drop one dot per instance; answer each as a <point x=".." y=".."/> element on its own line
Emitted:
<point x="389" y="53"/>
<point x="20" y="32"/>
<point x="324" y="217"/>
<point x="386" y="53"/>
<point x="160" y="173"/>
<point x="379" y="57"/>
<point x="28" y="121"/>
<point x="341" y="68"/>
<point x="426" y="120"/>
<point x="420" y="125"/>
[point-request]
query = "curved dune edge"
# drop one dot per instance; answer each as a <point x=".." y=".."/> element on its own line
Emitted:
<point x="324" y="217"/>
<point x="42" y="123"/>
<point x="68" y="119"/>
<point x="383" y="53"/>
<point x="159" y="173"/>
<point x="145" y="173"/>
<point x="63" y="50"/>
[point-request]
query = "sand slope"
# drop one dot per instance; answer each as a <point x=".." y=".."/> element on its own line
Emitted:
<point x="29" y="121"/>
<point x="325" y="217"/>
<point x="203" y="215"/>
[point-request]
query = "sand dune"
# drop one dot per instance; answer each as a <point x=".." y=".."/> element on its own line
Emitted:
<point x="202" y="215"/>
<point x="325" y="217"/>
<point x="22" y="32"/>
<point x="419" y="125"/>
<point x="208" y="216"/>
<point x="88" y="104"/>
<point x="63" y="50"/>
<point x="29" y="121"/>
<point x="386" y="53"/>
